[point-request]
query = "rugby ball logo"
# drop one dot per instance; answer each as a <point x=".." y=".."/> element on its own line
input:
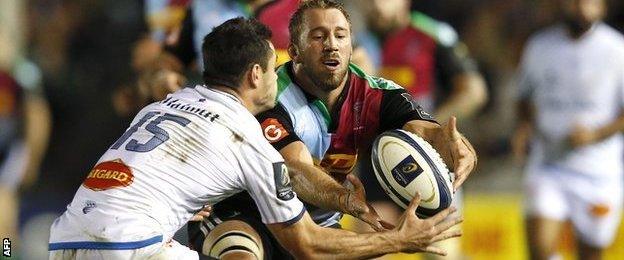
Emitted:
<point x="404" y="164"/>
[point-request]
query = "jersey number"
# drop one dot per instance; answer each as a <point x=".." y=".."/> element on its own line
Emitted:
<point x="160" y="135"/>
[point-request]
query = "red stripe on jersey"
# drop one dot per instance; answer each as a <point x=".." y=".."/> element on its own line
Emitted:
<point x="357" y="126"/>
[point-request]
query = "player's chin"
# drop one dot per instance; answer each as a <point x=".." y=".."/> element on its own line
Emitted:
<point x="332" y="81"/>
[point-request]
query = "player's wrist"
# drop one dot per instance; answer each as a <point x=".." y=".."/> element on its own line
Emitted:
<point x="396" y="241"/>
<point x="345" y="204"/>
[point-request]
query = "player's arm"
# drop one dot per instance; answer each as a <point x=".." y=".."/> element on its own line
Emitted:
<point x="525" y="109"/>
<point x="37" y="125"/>
<point x="399" y="110"/>
<point x="305" y="240"/>
<point x="581" y="136"/>
<point x="311" y="183"/>
<point x="455" y="149"/>
<point x="523" y="131"/>
<point x="468" y="92"/>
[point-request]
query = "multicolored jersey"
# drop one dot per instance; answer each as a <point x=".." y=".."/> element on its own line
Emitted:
<point x="163" y="15"/>
<point x="13" y="152"/>
<point x="206" y="14"/>
<point x="11" y="100"/>
<point x="201" y="17"/>
<point x="423" y="56"/>
<point x="366" y="107"/>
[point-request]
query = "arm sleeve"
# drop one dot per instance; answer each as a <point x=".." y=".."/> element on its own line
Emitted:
<point x="397" y="108"/>
<point x="277" y="127"/>
<point x="524" y="81"/>
<point x="268" y="184"/>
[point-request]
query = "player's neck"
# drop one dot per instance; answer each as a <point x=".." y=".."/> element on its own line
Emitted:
<point x="577" y="32"/>
<point x="241" y="98"/>
<point x="404" y="21"/>
<point x="329" y="97"/>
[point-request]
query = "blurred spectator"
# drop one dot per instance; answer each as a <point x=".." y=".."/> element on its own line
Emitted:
<point x="571" y="99"/>
<point x="24" y="117"/>
<point x="426" y="57"/>
<point x="82" y="48"/>
<point x="171" y="51"/>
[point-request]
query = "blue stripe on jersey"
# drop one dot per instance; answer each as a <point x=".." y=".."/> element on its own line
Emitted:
<point x="105" y="245"/>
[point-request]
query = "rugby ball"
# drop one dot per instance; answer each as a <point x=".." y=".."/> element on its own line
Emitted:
<point x="404" y="164"/>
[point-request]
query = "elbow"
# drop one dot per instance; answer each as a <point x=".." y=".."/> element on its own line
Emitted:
<point x="478" y="91"/>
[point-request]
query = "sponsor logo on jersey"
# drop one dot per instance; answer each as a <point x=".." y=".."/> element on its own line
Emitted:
<point x="600" y="210"/>
<point x="283" y="188"/>
<point x="109" y="175"/>
<point x="339" y="163"/>
<point x="88" y="206"/>
<point x="273" y="130"/>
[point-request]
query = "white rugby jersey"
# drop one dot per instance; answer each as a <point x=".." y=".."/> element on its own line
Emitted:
<point x="574" y="82"/>
<point x="196" y="147"/>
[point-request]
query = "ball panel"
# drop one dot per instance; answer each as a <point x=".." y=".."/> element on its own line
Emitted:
<point x="383" y="181"/>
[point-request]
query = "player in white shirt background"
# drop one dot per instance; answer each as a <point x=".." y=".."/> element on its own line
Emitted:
<point x="199" y="146"/>
<point x="571" y="98"/>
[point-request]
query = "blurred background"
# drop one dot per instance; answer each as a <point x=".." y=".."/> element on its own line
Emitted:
<point x="68" y="89"/>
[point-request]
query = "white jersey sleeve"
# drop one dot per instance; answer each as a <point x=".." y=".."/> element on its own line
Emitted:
<point x="268" y="184"/>
<point x="263" y="172"/>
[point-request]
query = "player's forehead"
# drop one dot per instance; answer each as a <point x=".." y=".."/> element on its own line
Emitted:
<point x="330" y="19"/>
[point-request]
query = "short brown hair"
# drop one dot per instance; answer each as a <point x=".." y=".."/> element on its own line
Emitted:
<point x="294" y="27"/>
<point x="231" y="48"/>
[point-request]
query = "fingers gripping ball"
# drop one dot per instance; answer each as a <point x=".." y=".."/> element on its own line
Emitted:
<point x="405" y="164"/>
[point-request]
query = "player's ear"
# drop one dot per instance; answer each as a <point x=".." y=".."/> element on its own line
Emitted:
<point x="293" y="52"/>
<point x="254" y="75"/>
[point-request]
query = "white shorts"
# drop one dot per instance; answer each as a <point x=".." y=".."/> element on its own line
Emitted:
<point x="593" y="205"/>
<point x="159" y="251"/>
<point x="96" y="235"/>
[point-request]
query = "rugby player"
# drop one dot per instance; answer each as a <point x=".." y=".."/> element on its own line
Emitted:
<point x="199" y="146"/>
<point x="328" y="110"/>
<point x="571" y="99"/>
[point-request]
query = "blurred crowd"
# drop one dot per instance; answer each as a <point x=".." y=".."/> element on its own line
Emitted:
<point x="85" y="67"/>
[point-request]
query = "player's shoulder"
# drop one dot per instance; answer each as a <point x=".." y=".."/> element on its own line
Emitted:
<point x="610" y="35"/>
<point x="441" y="32"/>
<point x="547" y="35"/>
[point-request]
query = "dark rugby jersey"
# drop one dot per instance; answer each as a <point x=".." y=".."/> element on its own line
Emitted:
<point x="367" y="106"/>
<point x="423" y="56"/>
